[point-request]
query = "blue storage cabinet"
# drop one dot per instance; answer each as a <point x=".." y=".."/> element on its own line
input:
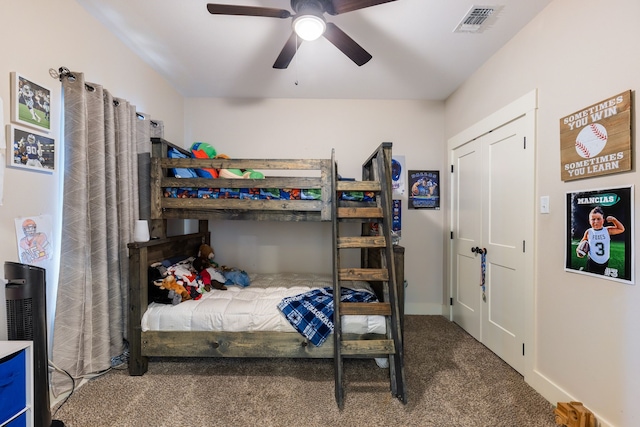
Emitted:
<point x="16" y="384"/>
<point x="20" y="421"/>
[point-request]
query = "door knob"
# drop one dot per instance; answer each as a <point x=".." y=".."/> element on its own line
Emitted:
<point x="478" y="250"/>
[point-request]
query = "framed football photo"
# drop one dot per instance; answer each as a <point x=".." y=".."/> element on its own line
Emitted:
<point x="30" y="149"/>
<point x="30" y="103"/>
<point x="599" y="229"/>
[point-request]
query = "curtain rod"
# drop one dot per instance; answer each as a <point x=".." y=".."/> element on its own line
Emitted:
<point x="63" y="72"/>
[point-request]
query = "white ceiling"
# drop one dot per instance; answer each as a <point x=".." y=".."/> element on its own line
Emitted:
<point x="416" y="54"/>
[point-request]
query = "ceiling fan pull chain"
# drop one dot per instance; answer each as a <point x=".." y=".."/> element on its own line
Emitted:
<point x="296" y="58"/>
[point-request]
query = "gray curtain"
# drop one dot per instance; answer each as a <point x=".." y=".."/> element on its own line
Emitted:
<point x="147" y="129"/>
<point x="100" y="207"/>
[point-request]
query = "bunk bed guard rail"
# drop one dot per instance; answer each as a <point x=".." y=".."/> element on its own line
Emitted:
<point x="316" y="208"/>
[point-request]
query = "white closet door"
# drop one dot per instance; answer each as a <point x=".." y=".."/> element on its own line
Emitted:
<point x="492" y="209"/>
<point x="467" y="234"/>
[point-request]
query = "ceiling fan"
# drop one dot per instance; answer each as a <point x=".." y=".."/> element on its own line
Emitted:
<point x="308" y="24"/>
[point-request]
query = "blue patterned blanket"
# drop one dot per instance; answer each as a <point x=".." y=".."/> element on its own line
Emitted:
<point x="311" y="313"/>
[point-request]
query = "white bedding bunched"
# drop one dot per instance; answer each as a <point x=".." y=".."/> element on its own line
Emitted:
<point x="251" y="309"/>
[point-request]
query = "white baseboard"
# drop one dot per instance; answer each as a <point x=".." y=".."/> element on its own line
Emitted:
<point x="554" y="394"/>
<point x="423" y="309"/>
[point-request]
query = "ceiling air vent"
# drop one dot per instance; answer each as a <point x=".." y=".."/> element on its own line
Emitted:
<point x="475" y="19"/>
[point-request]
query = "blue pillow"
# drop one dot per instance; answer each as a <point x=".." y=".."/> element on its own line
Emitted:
<point x="181" y="172"/>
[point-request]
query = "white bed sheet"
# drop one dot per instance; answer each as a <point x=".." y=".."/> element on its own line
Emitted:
<point x="251" y="309"/>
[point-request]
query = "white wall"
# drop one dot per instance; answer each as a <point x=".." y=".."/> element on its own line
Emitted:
<point x="587" y="330"/>
<point x="287" y="128"/>
<point x="36" y="35"/>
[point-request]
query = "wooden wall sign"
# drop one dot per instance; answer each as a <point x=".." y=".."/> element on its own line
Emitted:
<point x="597" y="140"/>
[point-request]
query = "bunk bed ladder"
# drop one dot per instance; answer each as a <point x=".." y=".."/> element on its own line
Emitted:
<point x="376" y="180"/>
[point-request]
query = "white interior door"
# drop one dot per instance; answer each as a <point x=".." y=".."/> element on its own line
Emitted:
<point x="494" y="192"/>
<point x="467" y="234"/>
<point x="507" y="226"/>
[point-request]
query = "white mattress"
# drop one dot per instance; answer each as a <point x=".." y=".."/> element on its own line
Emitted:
<point x="250" y="309"/>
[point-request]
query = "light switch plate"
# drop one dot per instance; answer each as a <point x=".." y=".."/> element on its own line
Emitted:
<point x="544" y="204"/>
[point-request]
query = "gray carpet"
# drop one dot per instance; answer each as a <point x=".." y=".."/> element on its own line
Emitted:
<point x="452" y="381"/>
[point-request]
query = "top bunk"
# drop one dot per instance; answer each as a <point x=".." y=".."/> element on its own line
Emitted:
<point x="304" y="193"/>
<point x="303" y="197"/>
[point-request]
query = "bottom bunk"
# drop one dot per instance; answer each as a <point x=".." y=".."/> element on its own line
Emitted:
<point x="245" y="322"/>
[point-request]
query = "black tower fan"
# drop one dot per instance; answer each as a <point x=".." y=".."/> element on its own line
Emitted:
<point x="26" y="294"/>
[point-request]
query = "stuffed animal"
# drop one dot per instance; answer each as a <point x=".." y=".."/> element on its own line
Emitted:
<point x="172" y="285"/>
<point x="231" y="173"/>
<point x="209" y="275"/>
<point x="206" y="252"/>
<point x="183" y="272"/>
<point x="202" y="150"/>
<point x="235" y="276"/>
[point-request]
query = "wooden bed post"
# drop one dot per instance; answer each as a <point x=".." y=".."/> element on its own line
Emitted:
<point x="138" y="274"/>
<point x="158" y="225"/>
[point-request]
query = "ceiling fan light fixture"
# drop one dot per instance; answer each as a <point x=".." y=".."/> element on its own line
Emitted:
<point x="309" y="27"/>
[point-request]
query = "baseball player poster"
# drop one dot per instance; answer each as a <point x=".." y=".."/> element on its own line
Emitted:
<point x="425" y="191"/>
<point x="600" y="232"/>
<point x="596" y="140"/>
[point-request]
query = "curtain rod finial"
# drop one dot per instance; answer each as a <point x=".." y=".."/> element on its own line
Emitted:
<point x="54" y="74"/>
<point x="62" y="73"/>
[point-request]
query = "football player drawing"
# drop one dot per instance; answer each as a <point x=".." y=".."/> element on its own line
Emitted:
<point x="596" y="241"/>
<point x="34" y="246"/>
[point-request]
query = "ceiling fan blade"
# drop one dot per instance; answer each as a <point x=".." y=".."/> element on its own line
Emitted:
<point x="227" y="9"/>
<point x="288" y="51"/>
<point x="344" y="6"/>
<point x="346" y="44"/>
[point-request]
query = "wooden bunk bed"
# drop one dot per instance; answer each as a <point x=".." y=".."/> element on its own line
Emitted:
<point x="381" y="262"/>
